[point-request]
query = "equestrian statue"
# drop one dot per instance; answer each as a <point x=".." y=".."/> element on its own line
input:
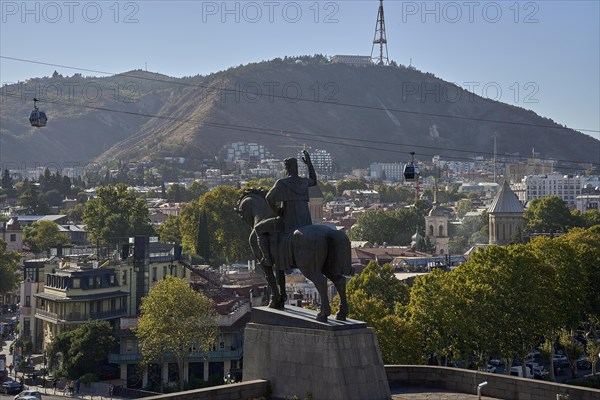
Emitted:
<point x="283" y="237"/>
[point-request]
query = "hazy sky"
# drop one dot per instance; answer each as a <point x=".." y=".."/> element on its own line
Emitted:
<point x="540" y="55"/>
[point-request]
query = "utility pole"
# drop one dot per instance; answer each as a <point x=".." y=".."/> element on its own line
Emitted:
<point x="494" y="156"/>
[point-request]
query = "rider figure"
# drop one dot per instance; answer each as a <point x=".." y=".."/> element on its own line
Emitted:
<point x="289" y="199"/>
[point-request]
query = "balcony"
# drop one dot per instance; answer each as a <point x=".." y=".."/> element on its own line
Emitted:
<point x="73" y="318"/>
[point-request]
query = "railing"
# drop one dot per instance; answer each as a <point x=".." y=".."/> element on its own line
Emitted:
<point x="120" y="312"/>
<point x="80" y="317"/>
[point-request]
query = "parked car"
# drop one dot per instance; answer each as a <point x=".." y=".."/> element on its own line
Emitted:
<point x="29" y="393"/>
<point x="490" y="368"/>
<point x="559" y="357"/>
<point x="584" y="363"/>
<point x="518" y="371"/>
<point x="11" y="387"/>
<point x="539" y="372"/>
<point x="28" y="398"/>
<point x="496" y="362"/>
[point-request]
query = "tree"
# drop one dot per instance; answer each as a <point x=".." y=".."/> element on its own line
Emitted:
<point x="42" y="235"/>
<point x="196" y="189"/>
<point x="174" y="321"/>
<point x="393" y="227"/>
<point x="83" y="348"/>
<point x="177" y="193"/>
<point x="547" y="215"/>
<point x="463" y="207"/>
<point x="115" y="214"/>
<point x="328" y="190"/>
<point x="32" y="202"/>
<point x="7" y="181"/>
<point x="521" y="309"/>
<point x="377" y="297"/>
<point x="170" y="230"/>
<point x="395" y="194"/>
<point x="433" y="314"/>
<point x="76" y="214"/>
<point x="590" y="218"/>
<point x="53" y="198"/>
<point x="229" y="236"/>
<point x="9" y="269"/>
<point x="379" y="282"/>
<point x="343" y="185"/>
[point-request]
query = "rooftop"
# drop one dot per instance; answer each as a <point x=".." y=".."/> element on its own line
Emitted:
<point x="506" y="201"/>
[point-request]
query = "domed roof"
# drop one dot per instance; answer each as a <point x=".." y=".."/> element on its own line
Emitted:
<point x="416" y="237"/>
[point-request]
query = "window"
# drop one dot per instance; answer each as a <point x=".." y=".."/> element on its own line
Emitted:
<point x="26" y="327"/>
<point x="98" y="281"/>
<point x="13" y="237"/>
<point x="27" y="301"/>
<point x="91" y="282"/>
<point x="164" y="271"/>
<point x="154" y="274"/>
<point x="76" y="283"/>
<point x="112" y="280"/>
<point x="124" y="277"/>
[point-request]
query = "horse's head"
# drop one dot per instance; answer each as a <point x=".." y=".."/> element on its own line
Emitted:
<point x="251" y="204"/>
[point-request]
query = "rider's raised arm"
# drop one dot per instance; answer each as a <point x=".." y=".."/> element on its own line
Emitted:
<point x="312" y="175"/>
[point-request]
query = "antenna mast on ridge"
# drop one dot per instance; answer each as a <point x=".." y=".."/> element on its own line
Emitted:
<point x="380" y="39"/>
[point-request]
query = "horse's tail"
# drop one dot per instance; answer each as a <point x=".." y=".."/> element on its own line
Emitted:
<point x="339" y="253"/>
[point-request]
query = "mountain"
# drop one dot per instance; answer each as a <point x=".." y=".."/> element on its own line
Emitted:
<point x="358" y="114"/>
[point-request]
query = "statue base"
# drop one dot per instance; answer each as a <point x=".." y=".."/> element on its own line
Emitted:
<point x="303" y="357"/>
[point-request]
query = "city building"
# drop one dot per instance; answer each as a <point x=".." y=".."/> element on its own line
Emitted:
<point x="321" y="160"/>
<point x="76" y="285"/>
<point x="245" y="151"/>
<point x="387" y="171"/>
<point x="518" y="170"/>
<point x="505" y="216"/>
<point x="567" y="187"/>
<point x="12" y="234"/>
<point x="356" y="60"/>
<point x="587" y="202"/>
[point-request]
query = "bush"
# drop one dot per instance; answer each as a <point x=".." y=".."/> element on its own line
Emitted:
<point x="89" y="378"/>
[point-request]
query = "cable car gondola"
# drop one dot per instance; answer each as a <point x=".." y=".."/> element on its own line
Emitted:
<point x="411" y="171"/>
<point x="37" y="118"/>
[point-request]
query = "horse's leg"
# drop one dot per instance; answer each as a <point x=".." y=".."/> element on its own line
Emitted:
<point x="275" y="296"/>
<point x="321" y="285"/>
<point x="339" y="282"/>
<point x="340" y="286"/>
<point x="282" y="291"/>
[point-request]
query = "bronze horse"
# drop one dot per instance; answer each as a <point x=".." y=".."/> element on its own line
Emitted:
<point x="318" y="251"/>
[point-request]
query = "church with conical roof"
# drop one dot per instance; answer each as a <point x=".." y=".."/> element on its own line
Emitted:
<point x="505" y="216"/>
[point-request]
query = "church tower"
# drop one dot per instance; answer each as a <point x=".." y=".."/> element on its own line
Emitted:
<point x="505" y="216"/>
<point x="436" y="226"/>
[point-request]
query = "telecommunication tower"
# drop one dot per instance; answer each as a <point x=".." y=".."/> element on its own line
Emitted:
<point x="380" y="39"/>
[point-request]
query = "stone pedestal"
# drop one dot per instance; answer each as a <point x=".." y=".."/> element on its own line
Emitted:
<point x="301" y="357"/>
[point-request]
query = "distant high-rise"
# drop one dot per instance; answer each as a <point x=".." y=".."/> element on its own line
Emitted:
<point x="380" y="39"/>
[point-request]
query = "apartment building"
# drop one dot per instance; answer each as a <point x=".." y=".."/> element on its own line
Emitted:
<point x="567" y="187"/>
